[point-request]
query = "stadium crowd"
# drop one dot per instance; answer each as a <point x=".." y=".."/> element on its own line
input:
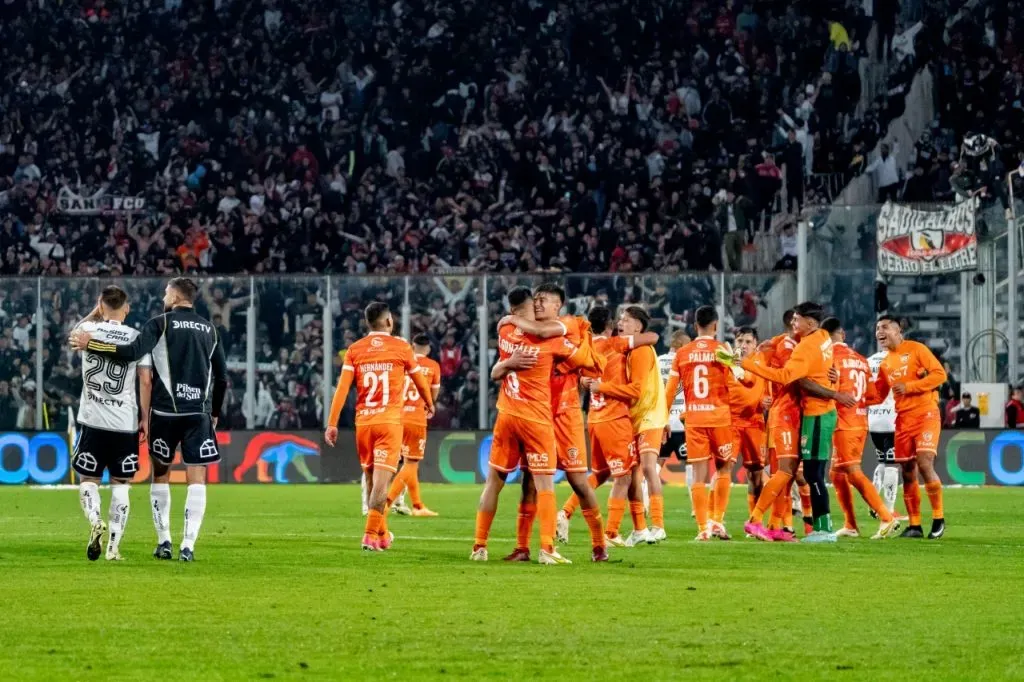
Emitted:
<point x="301" y="136"/>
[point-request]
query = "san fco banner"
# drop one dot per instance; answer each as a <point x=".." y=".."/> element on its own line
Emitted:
<point x="922" y="242"/>
<point x="984" y="457"/>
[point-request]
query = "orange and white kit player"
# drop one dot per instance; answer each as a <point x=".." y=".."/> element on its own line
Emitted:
<point x="378" y="364"/>
<point x="524" y="433"/>
<point x="414" y="432"/>
<point x="851" y="434"/>
<point x="914" y="375"/>
<point x="747" y="405"/>
<point x="705" y="383"/>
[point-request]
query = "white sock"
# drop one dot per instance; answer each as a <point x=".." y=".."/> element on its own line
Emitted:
<point x="89" y="497"/>
<point x="195" y="508"/>
<point x="160" y="502"/>
<point x="400" y="502"/>
<point x="646" y="496"/>
<point x="117" y="515"/>
<point x="890" y="486"/>
<point x="689" y="482"/>
<point x="876" y="479"/>
<point x="364" y="490"/>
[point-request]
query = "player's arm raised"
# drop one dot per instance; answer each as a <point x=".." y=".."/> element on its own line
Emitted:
<point x="547" y="329"/>
<point x="797" y="367"/>
<point x="935" y="373"/>
<point x="348" y="373"/>
<point x="143" y="343"/>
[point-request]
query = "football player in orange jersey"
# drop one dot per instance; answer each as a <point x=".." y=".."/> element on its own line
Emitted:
<point x="378" y="363"/>
<point x="705" y="384"/>
<point x="914" y="375"/>
<point x="524" y="432"/>
<point x="746" y="402"/>
<point x="414" y="432"/>
<point x="850" y="436"/>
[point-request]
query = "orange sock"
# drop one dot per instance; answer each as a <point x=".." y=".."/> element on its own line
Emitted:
<point x="805" y="500"/>
<point x="373" y="522"/>
<point x="596" y="525"/>
<point x="711" y="498"/>
<point x="844" y="494"/>
<point x="866" y="488"/>
<point x="751" y="502"/>
<point x="412" y="483"/>
<point x="546" y="512"/>
<point x="700" y="505"/>
<point x="397" y="486"/>
<point x="934" y="490"/>
<point x="383" y="530"/>
<point x="616" y="510"/>
<point x="636" y="510"/>
<point x="779" y="482"/>
<point x="483" y="528"/>
<point x="570" y="505"/>
<point x="779" y="511"/>
<point x="658" y="511"/>
<point x="524" y="524"/>
<point x="912" y="498"/>
<point x="723" y="485"/>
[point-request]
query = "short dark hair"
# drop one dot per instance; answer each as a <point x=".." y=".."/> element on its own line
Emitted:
<point x="747" y="331"/>
<point x="375" y="314"/>
<point x="600" y="318"/>
<point x="787" y="317"/>
<point x="186" y="286"/>
<point x="831" y="324"/>
<point x="114" y="297"/>
<point x="517" y="296"/>
<point x="421" y="340"/>
<point x="550" y="288"/>
<point x="810" y="309"/>
<point x="640" y="315"/>
<point x="890" y="318"/>
<point x="704" y="316"/>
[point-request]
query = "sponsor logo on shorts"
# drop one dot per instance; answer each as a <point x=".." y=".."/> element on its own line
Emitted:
<point x="160" y="450"/>
<point x="537" y="460"/>
<point x="803" y="441"/>
<point x="616" y="465"/>
<point x="86" y="462"/>
<point x="574" y="454"/>
<point x="380" y="455"/>
<point x="725" y="451"/>
<point x="405" y="450"/>
<point x="208" y="450"/>
<point x="130" y="464"/>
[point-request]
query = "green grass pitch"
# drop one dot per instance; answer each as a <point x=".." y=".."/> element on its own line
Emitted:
<point x="280" y="590"/>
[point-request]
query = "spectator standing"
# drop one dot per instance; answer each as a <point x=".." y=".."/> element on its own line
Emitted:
<point x="887" y="175"/>
<point x="966" y="416"/>
<point x="1015" y="409"/>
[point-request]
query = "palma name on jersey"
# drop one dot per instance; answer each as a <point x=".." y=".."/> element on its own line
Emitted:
<point x="108" y="399"/>
<point x="678" y="408"/>
<point x="881" y="417"/>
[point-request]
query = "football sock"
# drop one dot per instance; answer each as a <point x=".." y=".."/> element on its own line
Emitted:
<point x="890" y="486"/>
<point x="806" y="501"/>
<point x="570" y="505"/>
<point x="711" y="498"/>
<point x="844" y="494"/>
<point x="195" y="509"/>
<point x="658" y="511"/>
<point x="723" y="485"/>
<point x="876" y="478"/>
<point x="787" y="511"/>
<point x="912" y="498"/>
<point x="870" y="495"/>
<point x="546" y="512"/>
<point x="645" y="494"/>
<point x="160" y="501"/>
<point x="934" y="490"/>
<point x="374" y="520"/>
<point x="596" y="525"/>
<point x="779" y="481"/>
<point x="616" y="510"/>
<point x="89" y="497"/>
<point x="750" y="503"/>
<point x="484" y="519"/>
<point x="364" y="490"/>
<point x="524" y="524"/>
<point x="700" y="505"/>
<point x="636" y="510"/>
<point x="814" y="472"/>
<point x="689" y="482"/>
<point x="412" y="484"/>
<point x="397" y="486"/>
<point x="117" y="515"/>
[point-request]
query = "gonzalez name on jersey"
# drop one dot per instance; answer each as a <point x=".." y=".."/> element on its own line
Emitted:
<point x="109" y="400"/>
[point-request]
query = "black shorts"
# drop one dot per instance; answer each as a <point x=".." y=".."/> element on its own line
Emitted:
<point x="193" y="432"/>
<point x="885" y="447"/>
<point x="676" y="443"/>
<point x="98" y="450"/>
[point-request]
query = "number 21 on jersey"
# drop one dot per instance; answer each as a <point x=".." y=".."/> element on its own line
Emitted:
<point x="374" y="383"/>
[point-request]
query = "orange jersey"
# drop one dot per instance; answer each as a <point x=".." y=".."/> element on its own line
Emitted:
<point x="913" y="364"/>
<point x="705" y="383"/>
<point x="603" y="408"/>
<point x="378" y="364"/>
<point x="527" y="393"/>
<point x="811" y="359"/>
<point x="415" y="409"/>
<point x="565" y="383"/>
<point x="854" y="374"/>
<point x="745" y="401"/>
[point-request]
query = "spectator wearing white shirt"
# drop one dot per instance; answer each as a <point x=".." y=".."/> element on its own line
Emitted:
<point x="787" y="248"/>
<point x="887" y="174"/>
<point x="22" y="333"/>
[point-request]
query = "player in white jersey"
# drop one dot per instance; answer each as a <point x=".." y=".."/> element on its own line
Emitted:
<point x="882" y="427"/>
<point x="108" y="415"/>
<point x="676" y="441"/>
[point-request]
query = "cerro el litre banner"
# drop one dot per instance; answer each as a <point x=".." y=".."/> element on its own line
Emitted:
<point x="935" y="240"/>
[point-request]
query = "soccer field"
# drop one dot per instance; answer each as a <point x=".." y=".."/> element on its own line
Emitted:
<point x="281" y="590"/>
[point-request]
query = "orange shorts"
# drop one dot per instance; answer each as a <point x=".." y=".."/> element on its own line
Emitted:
<point x="612" y="447"/>
<point x="919" y="434"/>
<point x="649" y="442"/>
<point x="379" y="446"/>
<point x="522" y="442"/>
<point x="749" y="443"/>
<point x="848" y="447"/>
<point x="414" y="441"/>
<point x="571" y="442"/>
<point x="704" y="442"/>
<point x="784" y="435"/>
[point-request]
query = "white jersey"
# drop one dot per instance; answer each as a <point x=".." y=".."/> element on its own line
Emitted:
<point x="109" y="401"/>
<point x="678" y="408"/>
<point x="881" y="417"/>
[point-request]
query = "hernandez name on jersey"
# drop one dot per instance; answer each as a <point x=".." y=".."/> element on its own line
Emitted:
<point x="678" y="408"/>
<point x="882" y="417"/>
<point x="108" y="386"/>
